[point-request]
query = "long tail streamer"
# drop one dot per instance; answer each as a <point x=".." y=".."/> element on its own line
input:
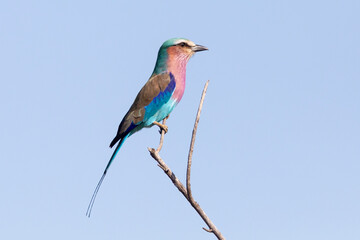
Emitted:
<point x="92" y="201"/>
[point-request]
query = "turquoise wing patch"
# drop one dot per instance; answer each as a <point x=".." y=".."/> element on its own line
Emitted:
<point x="161" y="99"/>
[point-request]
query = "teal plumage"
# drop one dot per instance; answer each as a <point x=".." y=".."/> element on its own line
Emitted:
<point x="157" y="98"/>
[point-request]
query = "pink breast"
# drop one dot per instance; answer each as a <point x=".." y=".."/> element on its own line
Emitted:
<point x="177" y="66"/>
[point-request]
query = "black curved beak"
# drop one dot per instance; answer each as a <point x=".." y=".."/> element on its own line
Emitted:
<point x="199" y="48"/>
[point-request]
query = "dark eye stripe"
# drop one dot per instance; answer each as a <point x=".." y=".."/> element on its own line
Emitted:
<point x="183" y="44"/>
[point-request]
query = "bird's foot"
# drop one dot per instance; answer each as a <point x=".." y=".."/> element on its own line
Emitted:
<point x="162" y="127"/>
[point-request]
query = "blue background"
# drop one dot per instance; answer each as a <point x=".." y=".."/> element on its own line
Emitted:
<point x="277" y="153"/>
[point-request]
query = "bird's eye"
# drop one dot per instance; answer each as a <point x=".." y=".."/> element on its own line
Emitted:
<point x="182" y="44"/>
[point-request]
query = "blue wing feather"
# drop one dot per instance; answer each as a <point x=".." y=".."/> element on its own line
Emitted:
<point x="153" y="110"/>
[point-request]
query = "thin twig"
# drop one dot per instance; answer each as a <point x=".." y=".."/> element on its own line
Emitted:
<point x="162" y="132"/>
<point x="187" y="191"/>
<point x="210" y="231"/>
<point x="191" y="149"/>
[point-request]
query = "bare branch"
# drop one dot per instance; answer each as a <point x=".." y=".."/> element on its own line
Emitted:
<point x="191" y="150"/>
<point x="168" y="171"/>
<point x="162" y="131"/>
<point x="186" y="191"/>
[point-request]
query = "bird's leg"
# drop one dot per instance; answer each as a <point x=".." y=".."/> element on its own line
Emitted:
<point x="162" y="126"/>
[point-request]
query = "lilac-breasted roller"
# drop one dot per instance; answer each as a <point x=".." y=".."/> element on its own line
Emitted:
<point x="158" y="97"/>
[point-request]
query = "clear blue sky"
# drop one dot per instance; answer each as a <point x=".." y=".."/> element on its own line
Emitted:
<point x="278" y="148"/>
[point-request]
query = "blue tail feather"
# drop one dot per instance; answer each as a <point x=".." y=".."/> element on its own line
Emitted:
<point x="92" y="201"/>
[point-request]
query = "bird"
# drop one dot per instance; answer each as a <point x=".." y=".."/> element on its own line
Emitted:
<point x="157" y="98"/>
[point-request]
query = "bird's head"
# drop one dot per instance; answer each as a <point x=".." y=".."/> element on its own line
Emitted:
<point x="176" y="51"/>
<point x="181" y="47"/>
